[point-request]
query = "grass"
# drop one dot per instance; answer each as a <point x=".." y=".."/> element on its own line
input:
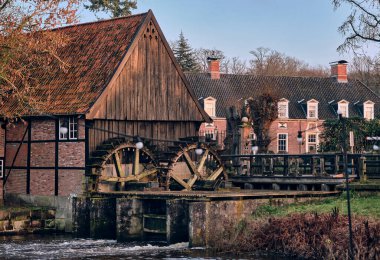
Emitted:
<point x="368" y="206"/>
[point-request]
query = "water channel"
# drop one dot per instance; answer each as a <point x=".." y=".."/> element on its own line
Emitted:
<point x="67" y="247"/>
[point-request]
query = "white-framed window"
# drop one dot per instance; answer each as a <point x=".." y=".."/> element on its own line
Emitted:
<point x="369" y="110"/>
<point x="282" y="143"/>
<point x="312" y="109"/>
<point x="343" y="108"/>
<point x="68" y="128"/>
<point x="312" y="142"/>
<point x="210" y="106"/>
<point x="1" y="168"/>
<point x="283" y="108"/>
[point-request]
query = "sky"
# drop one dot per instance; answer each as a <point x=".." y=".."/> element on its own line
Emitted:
<point x="305" y="29"/>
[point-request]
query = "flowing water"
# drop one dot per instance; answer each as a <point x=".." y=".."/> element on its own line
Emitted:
<point x="66" y="247"/>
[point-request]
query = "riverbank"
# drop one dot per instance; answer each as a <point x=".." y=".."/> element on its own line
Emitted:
<point x="312" y="230"/>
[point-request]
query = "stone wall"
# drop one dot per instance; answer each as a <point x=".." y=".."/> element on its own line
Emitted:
<point x="208" y="216"/>
<point x="26" y="220"/>
<point x="61" y="205"/>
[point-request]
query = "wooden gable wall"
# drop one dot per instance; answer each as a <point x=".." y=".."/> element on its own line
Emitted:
<point x="149" y="87"/>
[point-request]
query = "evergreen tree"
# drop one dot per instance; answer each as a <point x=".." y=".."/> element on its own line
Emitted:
<point x="116" y="8"/>
<point x="185" y="55"/>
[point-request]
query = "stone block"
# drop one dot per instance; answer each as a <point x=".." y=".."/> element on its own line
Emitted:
<point x="177" y="219"/>
<point x="129" y="219"/>
<point x="23" y="214"/>
<point x="275" y="186"/>
<point x="4" y="214"/>
<point x="103" y="218"/>
<point x="35" y="214"/>
<point x="19" y="225"/>
<point x="36" y="223"/>
<point x="49" y="223"/>
<point x="248" y="186"/>
<point x="60" y="224"/>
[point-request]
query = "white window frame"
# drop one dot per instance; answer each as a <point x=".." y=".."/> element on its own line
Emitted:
<point x="286" y="144"/>
<point x="310" y="103"/>
<point x="209" y="105"/>
<point x="283" y="102"/>
<point x="309" y="143"/>
<point x="343" y="106"/>
<point x="72" y="128"/>
<point x="1" y="168"/>
<point x="369" y="105"/>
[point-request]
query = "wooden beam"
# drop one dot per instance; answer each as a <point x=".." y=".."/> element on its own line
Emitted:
<point x="203" y="160"/>
<point x="192" y="181"/>
<point x="181" y="182"/>
<point x="215" y="174"/>
<point x="116" y="159"/>
<point x="190" y="164"/>
<point x="136" y="162"/>
<point x="146" y="173"/>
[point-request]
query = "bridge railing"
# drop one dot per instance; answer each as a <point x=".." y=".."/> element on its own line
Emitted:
<point x="322" y="165"/>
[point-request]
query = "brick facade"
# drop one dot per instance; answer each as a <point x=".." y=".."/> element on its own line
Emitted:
<point x="42" y="155"/>
<point x="288" y="127"/>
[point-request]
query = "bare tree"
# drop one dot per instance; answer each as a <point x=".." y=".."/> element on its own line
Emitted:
<point x="201" y="55"/>
<point x="362" y="25"/>
<point x="28" y="46"/>
<point x="367" y="70"/>
<point x="238" y="66"/>
<point x="268" y="62"/>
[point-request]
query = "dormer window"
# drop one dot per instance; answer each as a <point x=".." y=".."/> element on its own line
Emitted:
<point x="210" y="106"/>
<point x="369" y="110"/>
<point x="312" y="109"/>
<point x="283" y="108"/>
<point x="343" y="107"/>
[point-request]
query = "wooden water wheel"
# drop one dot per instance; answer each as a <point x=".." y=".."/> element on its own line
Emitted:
<point x="189" y="171"/>
<point x="119" y="165"/>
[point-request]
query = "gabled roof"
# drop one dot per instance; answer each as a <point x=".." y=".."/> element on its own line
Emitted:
<point x="93" y="54"/>
<point x="233" y="89"/>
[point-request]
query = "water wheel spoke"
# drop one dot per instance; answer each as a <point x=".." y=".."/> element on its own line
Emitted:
<point x="119" y="170"/>
<point x="181" y="182"/>
<point x="192" y="181"/>
<point x="203" y="160"/>
<point x="215" y="174"/>
<point x="146" y="174"/>
<point x="136" y="162"/>
<point x="191" y="164"/>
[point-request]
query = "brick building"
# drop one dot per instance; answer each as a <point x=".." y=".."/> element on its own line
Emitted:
<point x="122" y="80"/>
<point x="304" y="103"/>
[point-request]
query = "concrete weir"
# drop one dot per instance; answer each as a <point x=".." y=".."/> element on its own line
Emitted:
<point x="172" y="216"/>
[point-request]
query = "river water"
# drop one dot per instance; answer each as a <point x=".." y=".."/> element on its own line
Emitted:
<point x="67" y="247"/>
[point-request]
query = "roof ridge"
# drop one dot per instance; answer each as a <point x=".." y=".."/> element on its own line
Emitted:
<point x="99" y="21"/>
<point x="262" y="76"/>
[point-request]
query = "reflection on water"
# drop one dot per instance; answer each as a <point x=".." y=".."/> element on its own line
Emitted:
<point x="66" y="247"/>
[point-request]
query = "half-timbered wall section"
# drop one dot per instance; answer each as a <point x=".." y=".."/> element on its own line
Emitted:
<point x="44" y="165"/>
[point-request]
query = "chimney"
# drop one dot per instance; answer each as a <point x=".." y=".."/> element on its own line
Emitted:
<point x="214" y="67"/>
<point x="339" y="70"/>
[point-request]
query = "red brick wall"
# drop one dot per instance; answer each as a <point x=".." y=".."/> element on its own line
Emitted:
<point x="16" y="182"/>
<point x="293" y="126"/>
<point x="2" y="141"/>
<point x="43" y="130"/>
<point x="70" y="181"/>
<point x="42" y="154"/>
<point x="42" y="182"/>
<point x="71" y="154"/>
